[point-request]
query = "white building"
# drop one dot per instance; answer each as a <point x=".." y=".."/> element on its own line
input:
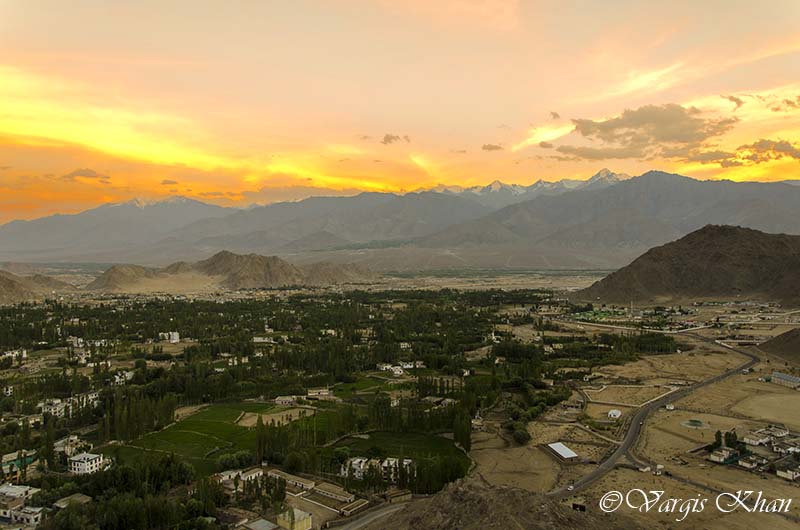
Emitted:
<point x="18" y="492"/>
<point x="86" y="463"/>
<point x="614" y="414"/>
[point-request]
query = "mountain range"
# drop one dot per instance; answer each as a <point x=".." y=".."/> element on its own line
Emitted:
<point x="15" y="288"/>
<point x="225" y="270"/>
<point x="601" y="223"/>
<point x="714" y="262"/>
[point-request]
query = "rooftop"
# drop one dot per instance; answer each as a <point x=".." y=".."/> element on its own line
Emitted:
<point x="562" y="450"/>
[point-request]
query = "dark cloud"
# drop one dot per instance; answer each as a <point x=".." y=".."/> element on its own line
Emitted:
<point x="365" y="137"/>
<point x="392" y="138"/>
<point x="545" y="145"/>
<point x="492" y="147"/>
<point x="459" y="151"/>
<point x="5" y="168"/>
<point x="735" y="100"/>
<point x="555" y="115"/>
<point x="758" y="152"/>
<point x="168" y="182"/>
<point x="85" y="173"/>
<point x="212" y="194"/>
<point x="650" y="131"/>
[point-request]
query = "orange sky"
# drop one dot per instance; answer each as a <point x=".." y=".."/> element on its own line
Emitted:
<point x="249" y="102"/>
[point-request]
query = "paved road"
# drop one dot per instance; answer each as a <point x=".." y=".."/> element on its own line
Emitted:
<point x="639" y="417"/>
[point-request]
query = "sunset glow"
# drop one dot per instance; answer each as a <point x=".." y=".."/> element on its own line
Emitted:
<point x="278" y="101"/>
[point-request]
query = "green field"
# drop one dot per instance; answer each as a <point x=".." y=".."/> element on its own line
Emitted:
<point x="199" y="439"/>
<point x="408" y="444"/>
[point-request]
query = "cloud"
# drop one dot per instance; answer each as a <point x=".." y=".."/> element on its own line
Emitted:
<point x="392" y="138"/>
<point x="459" y="151"/>
<point x="786" y="105"/>
<point x="758" y="152"/>
<point x="706" y="157"/>
<point x="735" y="100"/>
<point x="545" y="145"/>
<point x="600" y="153"/>
<point x="668" y="130"/>
<point x="5" y="168"/>
<point x="86" y="173"/>
<point x="492" y="147"/>
<point x="555" y="115"/>
<point x="168" y="182"/>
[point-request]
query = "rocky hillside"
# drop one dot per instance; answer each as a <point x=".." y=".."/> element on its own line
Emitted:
<point x="473" y="505"/>
<point x="713" y="262"/>
<point x="226" y="270"/>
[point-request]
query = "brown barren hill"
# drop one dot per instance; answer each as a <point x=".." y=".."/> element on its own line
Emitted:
<point x="226" y="270"/>
<point x="14" y="288"/>
<point x="712" y="262"/>
<point x="786" y="345"/>
<point x="473" y="505"/>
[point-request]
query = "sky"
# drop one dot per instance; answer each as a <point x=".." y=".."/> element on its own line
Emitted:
<point x="244" y="102"/>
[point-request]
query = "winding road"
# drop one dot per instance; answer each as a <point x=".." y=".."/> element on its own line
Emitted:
<point x="640" y="416"/>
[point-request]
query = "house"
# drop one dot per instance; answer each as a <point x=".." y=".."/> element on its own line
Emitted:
<point x="390" y="468"/>
<point x="384" y="367"/>
<point x="8" y="391"/>
<point x="319" y="392"/>
<point x="173" y="337"/>
<point x="69" y="445"/>
<point x="724" y="455"/>
<point x="614" y="414"/>
<point x="334" y="492"/>
<point x="286" y="400"/>
<point x="752" y="461"/>
<point x="788" y="471"/>
<point x="291" y="480"/>
<point x="54" y="407"/>
<point x="294" y="519"/>
<point x="86" y="463"/>
<point x="27" y="515"/>
<point x="759" y="437"/>
<point x="121" y="378"/>
<point x="9" y="504"/>
<point x="354" y="467"/>
<point x="393" y="496"/>
<point x="75" y="498"/>
<point x="397" y="371"/>
<point x="19" y="492"/>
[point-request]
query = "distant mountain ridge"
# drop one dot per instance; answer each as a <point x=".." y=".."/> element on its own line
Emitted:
<point x="601" y="223"/>
<point x="713" y="262"/>
<point x="226" y="270"/>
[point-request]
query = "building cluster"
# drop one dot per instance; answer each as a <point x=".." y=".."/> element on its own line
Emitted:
<point x="400" y="368"/>
<point x="173" y="337"/>
<point x="336" y="497"/>
<point x="389" y="468"/>
<point x="66" y="408"/>
<point x="766" y="448"/>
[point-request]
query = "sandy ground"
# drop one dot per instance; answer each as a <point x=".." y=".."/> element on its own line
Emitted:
<point x="505" y="464"/>
<point x="709" y="519"/>
<point x="185" y="412"/>
<point x="628" y="395"/>
<point x="249" y="419"/>
<point x="688" y="366"/>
